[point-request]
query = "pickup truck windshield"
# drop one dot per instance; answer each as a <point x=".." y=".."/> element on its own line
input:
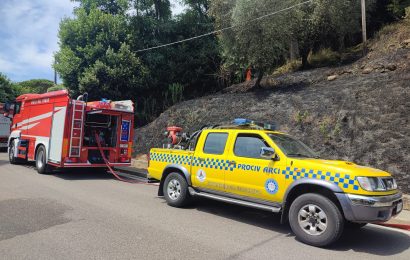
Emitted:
<point x="292" y="147"/>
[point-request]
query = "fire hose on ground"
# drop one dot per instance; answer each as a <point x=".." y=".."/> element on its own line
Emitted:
<point x="107" y="163"/>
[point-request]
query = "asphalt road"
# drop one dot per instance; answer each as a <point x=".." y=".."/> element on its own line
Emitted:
<point x="89" y="215"/>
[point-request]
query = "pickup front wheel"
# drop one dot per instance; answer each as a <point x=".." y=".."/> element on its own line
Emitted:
<point x="176" y="190"/>
<point x="315" y="220"/>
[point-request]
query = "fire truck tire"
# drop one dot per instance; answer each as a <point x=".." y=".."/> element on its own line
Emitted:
<point x="12" y="158"/>
<point x="315" y="220"/>
<point x="176" y="190"/>
<point x="41" y="161"/>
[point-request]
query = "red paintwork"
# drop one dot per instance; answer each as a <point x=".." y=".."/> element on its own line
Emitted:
<point x="35" y="122"/>
<point x="173" y="131"/>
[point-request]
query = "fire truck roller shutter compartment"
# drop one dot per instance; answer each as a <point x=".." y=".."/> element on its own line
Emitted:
<point x="105" y="126"/>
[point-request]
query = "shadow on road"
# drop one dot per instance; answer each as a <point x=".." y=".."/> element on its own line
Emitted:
<point x="246" y="215"/>
<point x="374" y="240"/>
<point x="83" y="174"/>
<point x="3" y="162"/>
<point x="73" y="174"/>
<point x="371" y="239"/>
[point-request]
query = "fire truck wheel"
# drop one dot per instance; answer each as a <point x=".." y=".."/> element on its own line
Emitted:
<point x="12" y="158"/>
<point x="315" y="220"/>
<point x="41" y="163"/>
<point x="176" y="190"/>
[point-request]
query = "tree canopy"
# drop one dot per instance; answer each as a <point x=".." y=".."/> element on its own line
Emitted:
<point x="102" y="47"/>
<point x="99" y="52"/>
<point x="7" y="91"/>
<point x="264" y="43"/>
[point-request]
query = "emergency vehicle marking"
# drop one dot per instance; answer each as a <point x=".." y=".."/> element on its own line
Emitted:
<point x="271" y="186"/>
<point x="40" y="101"/>
<point x="248" y="167"/>
<point x="342" y="180"/>
<point x="201" y="175"/>
<point x="31" y="125"/>
<point x="36" y="118"/>
<point x="39" y="117"/>
<point x="171" y="158"/>
<point x="236" y="188"/>
<point x="271" y="170"/>
<point x="213" y="163"/>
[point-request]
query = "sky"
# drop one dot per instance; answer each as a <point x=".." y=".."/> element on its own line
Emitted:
<point x="28" y="36"/>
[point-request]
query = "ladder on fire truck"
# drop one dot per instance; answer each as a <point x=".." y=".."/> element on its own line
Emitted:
<point x="77" y="126"/>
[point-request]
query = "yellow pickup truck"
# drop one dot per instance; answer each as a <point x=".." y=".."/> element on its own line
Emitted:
<point x="255" y="166"/>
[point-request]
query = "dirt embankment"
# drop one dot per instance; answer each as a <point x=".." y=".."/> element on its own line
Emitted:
<point x="359" y="112"/>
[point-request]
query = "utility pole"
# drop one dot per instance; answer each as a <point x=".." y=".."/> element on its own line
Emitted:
<point x="55" y="73"/>
<point x="364" y="31"/>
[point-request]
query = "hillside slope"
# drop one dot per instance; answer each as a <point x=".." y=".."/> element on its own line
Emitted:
<point x="362" y="115"/>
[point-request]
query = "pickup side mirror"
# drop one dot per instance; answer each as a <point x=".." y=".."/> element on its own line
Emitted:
<point x="268" y="153"/>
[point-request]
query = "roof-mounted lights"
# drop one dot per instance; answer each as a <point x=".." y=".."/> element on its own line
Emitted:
<point x="251" y="123"/>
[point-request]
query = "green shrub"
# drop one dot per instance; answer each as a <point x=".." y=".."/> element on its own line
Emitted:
<point x="324" y="57"/>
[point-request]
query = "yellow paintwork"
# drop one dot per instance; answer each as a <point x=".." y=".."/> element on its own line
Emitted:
<point x="250" y="176"/>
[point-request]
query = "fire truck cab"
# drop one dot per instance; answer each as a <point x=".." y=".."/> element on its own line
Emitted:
<point x="56" y="131"/>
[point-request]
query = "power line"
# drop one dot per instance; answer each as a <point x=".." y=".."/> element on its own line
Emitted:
<point x="226" y="28"/>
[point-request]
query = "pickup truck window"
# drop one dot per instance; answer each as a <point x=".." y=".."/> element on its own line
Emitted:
<point x="215" y="143"/>
<point x="249" y="145"/>
<point x="292" y="147"/>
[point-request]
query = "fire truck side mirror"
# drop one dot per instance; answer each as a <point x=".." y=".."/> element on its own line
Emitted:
<point x="8" y="109"/>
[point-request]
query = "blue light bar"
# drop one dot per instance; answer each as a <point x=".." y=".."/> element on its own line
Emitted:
<point x="242" y="121"/>
<point x="247" y="122"/>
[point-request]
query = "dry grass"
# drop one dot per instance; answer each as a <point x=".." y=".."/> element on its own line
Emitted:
<point x="391" y="36"/>
<point x="289" y="66"/>
<point x="324" y="57"/>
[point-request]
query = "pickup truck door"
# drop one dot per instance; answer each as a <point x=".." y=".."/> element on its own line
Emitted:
<point x="210" y="164"/>
<point x="255" y="178"/>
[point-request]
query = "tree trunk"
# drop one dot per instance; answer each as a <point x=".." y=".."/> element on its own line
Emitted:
<point x="258" y="80"/>
<point x="293" y="50"/>
<point x="305" y="63"/>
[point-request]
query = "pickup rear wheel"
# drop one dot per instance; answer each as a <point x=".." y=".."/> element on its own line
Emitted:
<point x="315" y="220"/>
<point x="176" y="190"/>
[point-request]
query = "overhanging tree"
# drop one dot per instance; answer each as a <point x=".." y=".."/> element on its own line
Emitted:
<point x="94" y="55"/>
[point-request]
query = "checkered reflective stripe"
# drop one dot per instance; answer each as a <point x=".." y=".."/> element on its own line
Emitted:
<point x="171" y="158"/>
<point x="213" y="163"/>
<point x="343" y="180"/>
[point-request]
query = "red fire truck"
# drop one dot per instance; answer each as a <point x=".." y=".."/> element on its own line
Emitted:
<point x="56" y="131"/>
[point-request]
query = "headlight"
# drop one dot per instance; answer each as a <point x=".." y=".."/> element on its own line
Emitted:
<point x="377" y="183"/>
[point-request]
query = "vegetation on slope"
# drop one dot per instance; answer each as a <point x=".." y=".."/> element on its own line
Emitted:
<point x="357" y="112"/>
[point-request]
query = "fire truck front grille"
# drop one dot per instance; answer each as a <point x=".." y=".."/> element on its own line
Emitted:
<point x="94" y="156"/>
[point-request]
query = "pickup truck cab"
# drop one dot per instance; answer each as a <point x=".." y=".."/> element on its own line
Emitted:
<point x="269" y="170"/>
